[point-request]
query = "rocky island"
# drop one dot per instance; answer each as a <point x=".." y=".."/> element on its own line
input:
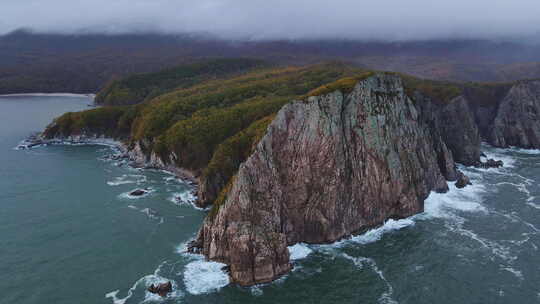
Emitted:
<point x="310" y="154"/>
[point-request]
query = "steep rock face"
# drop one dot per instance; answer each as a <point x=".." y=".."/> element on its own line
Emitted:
<point x="517" y="122"/>
<point x="459" y="131"/>
<point x="454" y="123"/>
<point x="327" y="168"/>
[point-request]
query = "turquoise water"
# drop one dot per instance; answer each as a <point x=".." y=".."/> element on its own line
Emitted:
<point x="69" y="233"/>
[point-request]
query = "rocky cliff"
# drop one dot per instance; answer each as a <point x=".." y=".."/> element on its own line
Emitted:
<point x="453" y="122"/>
<point x="362" y="149"/>
<point x="517" y="120"/>
<point x="328" y="167"/>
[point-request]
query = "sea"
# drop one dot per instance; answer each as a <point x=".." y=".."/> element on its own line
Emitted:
<point x="71" y="233"/>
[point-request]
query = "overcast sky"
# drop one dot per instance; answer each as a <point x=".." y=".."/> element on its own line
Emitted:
<point x="270" y="19"/>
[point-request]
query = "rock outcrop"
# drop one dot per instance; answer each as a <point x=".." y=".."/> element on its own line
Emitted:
<point x="517" y="122"/>
<point x="327" y="168"/>
<point x="161" y="289"/>
<point x="453" y="122"/>
<point x="490" y="163"/>
<point x="332" y="165"/>
<point x="462" y="180"/>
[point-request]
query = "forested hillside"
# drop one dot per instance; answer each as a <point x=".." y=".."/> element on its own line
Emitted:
<point x="139" y="87"/>
<point x="210" y="126"/>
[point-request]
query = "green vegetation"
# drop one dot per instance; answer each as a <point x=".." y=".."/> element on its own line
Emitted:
<point x="137" y="88"/>
<point x="194" y="140"/>
<point x="232" y="152"/>
<point x="222" y="197"/>
<point x="485" y="94"/>
<point x="345" y="85"/>
<point x="211" y="126"/>
<point x="100" y="121"/>
<point x="439" y="91"/>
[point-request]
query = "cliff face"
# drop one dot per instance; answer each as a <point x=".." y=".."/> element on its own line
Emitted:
<point x="517" y="122"/>
<point x="328" y="167"/>
<point x="325" y="168"/>
<point x="453" y="122"/>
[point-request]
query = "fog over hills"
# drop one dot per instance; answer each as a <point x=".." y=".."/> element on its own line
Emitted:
<point x="79" y="46"/>
<point x="281" y="19"/>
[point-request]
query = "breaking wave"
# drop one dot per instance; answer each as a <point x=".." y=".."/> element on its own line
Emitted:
<point x="204" y="276"/>
<point x="127" y="179"/>
<point x="145" y="282"/>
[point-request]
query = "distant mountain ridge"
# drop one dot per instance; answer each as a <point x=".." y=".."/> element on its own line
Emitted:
<point x="86" y="63"/>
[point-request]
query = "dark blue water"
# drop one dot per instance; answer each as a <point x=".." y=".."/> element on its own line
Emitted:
<point x="69" y="233"/>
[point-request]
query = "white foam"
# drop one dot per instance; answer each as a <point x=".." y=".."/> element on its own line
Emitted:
<point x="536" y="206"/>
<point x="169" y="179"/>
<point x="187" y="197"/>
<point x="126" y="195"/>
<point x="157" y="279"/>
<point x="150" y="213"/>
<point x="299" y="251"/>
<point x="386" y="297"/>
<point x="376" y="234"/>
<point x="525" y="151"/>
<point x="115" y="299"/>
<point x="256" y="291"/>
<point x="468" y="199"/>
<point x="495" y="248"/>
<point x="127" y="179"/>
<point x="146" y="281"/>
<point x="205" y="276"/>
<point x="515" y="272"/>
<point x="500" y="154"/>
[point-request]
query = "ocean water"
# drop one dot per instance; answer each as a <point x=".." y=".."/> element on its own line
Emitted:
<point x="70" y="233"/>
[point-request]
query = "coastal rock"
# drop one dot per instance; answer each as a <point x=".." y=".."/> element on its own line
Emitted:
<point x="518" y="117"/>
<point x="327" y="168"/>
<point x="459" y="131"/>
<point x="138" y="192"/>
<point x="454" y="123"/>
<point x="209" y="188"/>
<point x="490" y="163"/>
<point x="161" y="289"/>
<point x="462" y="180"/>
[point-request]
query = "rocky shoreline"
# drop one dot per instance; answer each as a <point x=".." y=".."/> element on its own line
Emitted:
<point x="379" y="155"/>
<point x="334" y="165"/>
<point x="135" y="157"/>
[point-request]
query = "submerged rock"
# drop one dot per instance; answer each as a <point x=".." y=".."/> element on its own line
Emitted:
<point x="328" y="167"/>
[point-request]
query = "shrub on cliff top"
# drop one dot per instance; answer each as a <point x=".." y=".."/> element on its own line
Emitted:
<point x="344" y="85"/>
<point x="439" y="91"/>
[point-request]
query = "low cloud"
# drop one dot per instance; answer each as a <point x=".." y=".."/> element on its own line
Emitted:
<point x="280" y="19"/>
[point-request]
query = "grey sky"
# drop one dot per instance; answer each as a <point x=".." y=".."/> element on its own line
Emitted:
<point x="270" y="19"/>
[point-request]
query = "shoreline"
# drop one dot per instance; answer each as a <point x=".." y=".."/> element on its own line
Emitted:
<point x="88" y="95"/>
<point x="136" y="157"/>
